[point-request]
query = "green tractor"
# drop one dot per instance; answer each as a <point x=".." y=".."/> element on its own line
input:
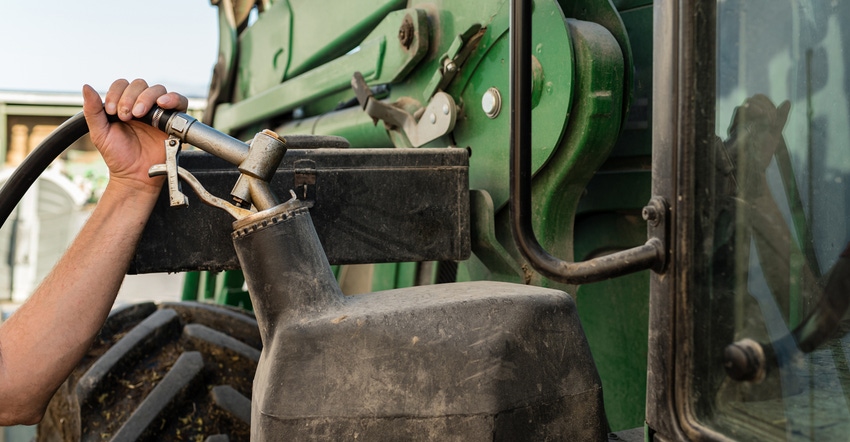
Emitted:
<point x="496" y="220"/>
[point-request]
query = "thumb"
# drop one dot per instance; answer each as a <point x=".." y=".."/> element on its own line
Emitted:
<point x="94" y="113"/>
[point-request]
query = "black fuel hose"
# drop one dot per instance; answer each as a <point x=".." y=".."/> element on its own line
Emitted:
<point x="37" y="161"/>
<point x="43" y="155"/>
<point x="67" y="133"/>
<point x="170" y="121"/>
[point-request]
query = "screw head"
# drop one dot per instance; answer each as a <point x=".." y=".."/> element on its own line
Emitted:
<point x="405" y="32"/>
<point x="651" y="215"/>
<point x="491" y="102"/>
<point x="433" y="118"/>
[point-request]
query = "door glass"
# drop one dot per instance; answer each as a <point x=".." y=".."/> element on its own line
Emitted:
<point x="772" y="212"/>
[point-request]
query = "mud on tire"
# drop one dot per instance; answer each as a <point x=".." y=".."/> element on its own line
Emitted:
<point x="174" y="371"/>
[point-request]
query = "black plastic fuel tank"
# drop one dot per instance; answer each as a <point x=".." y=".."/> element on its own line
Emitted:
<point x="465" y="361"/>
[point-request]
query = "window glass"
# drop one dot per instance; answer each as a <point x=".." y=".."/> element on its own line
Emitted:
<point x="772" y="211"/>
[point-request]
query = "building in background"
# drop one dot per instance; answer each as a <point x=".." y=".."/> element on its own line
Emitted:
<point x="52" y="212"/>
<point x="26" y="118"/>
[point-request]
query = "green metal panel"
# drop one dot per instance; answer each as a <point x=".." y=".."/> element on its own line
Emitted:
<point x="615" y="317"/>
<point x="209" y="283"/>
<point x="264" y="51"/>
<point x="300" y="90"/>
<point x="380" y="58"/>
<point x="224" y="288"/>
<point x="393" y="275"/>
<point x="636" y="139"/>
<point x="334" y="31"/>
<point x="590" y="135"/>
<point x="615" y="313"/>
<point x="488" y="165"/>
<point x="230" y="290"/>
<point x="191" y="285"/>
<point x="603" y="13"/>
<point x="353" y="124"/>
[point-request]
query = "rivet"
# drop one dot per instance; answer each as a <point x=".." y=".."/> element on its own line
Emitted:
<point x="491" y="102"/>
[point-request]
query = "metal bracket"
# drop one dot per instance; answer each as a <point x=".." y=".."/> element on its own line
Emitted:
<point x="305" y="179"/>
<point x="656" y="214"/>
<point x="438" y="118"/>
<point x="453" y="60"/>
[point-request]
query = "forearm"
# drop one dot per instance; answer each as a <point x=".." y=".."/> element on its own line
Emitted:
<point x="60" y="320"/>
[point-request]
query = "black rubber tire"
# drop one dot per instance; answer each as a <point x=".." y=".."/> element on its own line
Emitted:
<point x="174" y="371"/>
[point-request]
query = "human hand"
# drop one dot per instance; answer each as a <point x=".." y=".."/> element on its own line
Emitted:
<point x="757" y="127"/>
<point x="130" y="147"/>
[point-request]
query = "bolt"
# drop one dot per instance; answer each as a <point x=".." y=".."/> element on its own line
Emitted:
<point x="744" y="361"/>
<point x="651" y="215"/>
<point x="405" y="32"/>
<point x="445" y="109"/>
<point x="491" y="102"/>
<point x="172" y="143"/>
<point x="450" y="66"/>
<point x="433" y="118"/>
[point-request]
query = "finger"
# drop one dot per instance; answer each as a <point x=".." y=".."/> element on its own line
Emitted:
<point x="146" y="100"/>
<point x="114" y="93"/>
<point x="129" y="97"/>
<point x="784" y="109"/>
<point x="94" y="113"/>
<point x="173" y="100"/>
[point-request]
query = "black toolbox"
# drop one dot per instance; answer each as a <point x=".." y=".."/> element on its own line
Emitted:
<point x="370" y="206"/>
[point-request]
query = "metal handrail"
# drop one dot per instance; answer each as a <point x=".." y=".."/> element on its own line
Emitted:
<point x="646" y="256"/>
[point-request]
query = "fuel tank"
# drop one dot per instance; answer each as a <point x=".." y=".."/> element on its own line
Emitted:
<point x="463" y="361"/>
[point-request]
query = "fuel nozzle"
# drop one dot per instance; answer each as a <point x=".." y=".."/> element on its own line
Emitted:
<point x="257" y="161"/>
<point x="189" y="130"/>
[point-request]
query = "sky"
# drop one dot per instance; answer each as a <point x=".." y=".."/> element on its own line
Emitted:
<point x="59" y="45"/>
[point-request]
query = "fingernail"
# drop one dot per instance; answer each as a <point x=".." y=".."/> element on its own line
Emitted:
<point x="139" y="110"/>
<point x="110" y="108"/>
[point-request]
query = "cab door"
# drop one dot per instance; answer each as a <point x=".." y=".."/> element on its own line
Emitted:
<point x="752" y="148"/>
